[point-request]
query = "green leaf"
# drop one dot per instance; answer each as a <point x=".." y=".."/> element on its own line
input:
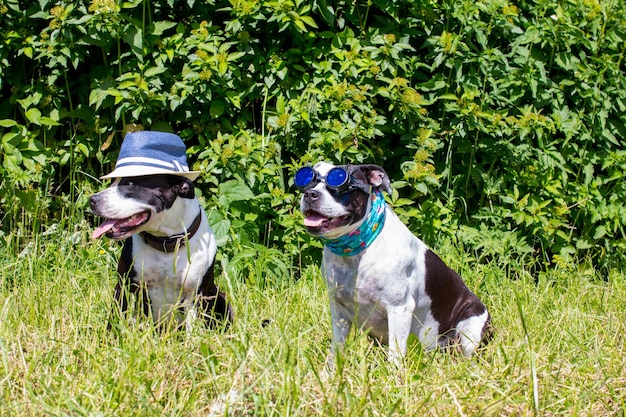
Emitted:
<point x="152" y="71"/>
<point x="11" y="162"/>
<point x="134" y="38"/>
<point x="448" y="97"/>
<point x="10" y="140"/>
<point x="83" y="148"/>
<point x="234" y="190"/>
<point x="402" y="202"/>
<point x="583" y="244"/>
<point x="280" y="104"/>
<point x="131" y="4"/>
<point x="97" y="96"/>
<point x="28" y="52"/>
<point x="162" y="26"/>
<point x="29" y="164"/>
<point x="34" y="116"/>
<point x="47" y="121"/>
<point x="8" y="123"/>
<point x="30" y="100"/>
<point x="216" y="108"/>
<point x="599" y="232"/>
<point x="220" y="226"/>
<point x="235" y="56"/>
<point x="309" y="21"/>
<point x="222" y="67"/>
<point x="327" y="12"/>
<point x="126" y="84"/>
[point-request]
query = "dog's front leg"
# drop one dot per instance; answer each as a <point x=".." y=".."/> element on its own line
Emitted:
<point x="125" y="285"/>
<point x="125" y="274"/>
<point x="399" y="327"/>
<point x="341" y="324"/>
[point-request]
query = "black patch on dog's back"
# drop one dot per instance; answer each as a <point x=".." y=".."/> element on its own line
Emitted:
<point x="452" y="301"/>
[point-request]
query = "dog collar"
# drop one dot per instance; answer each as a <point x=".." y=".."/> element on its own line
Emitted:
<point x="357" y="241"/>
<point x="172" y="243"/>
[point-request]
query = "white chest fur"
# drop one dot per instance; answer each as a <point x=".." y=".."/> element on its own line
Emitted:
<point x="172" y="279"/>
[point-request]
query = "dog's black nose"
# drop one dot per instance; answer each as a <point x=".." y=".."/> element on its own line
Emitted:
<point x="93" y="200"/>
<point x="311" y="195"/>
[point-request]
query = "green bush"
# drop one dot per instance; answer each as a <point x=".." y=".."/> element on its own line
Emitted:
<point x="497" y="122"/>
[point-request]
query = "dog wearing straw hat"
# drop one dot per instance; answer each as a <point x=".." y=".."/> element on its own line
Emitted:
<point x="169" y="247"/>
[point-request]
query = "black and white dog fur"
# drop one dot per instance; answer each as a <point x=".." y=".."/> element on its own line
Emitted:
<point x="395" y="287"/>
<point x="169" y="249"/>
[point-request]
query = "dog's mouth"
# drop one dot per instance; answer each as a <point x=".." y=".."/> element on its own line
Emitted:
<point x="316" y="223"/>
<point x="121" y="228"/>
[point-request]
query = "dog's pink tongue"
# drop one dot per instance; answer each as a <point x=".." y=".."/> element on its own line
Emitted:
<point x="314" y="220"/>
<point x="102" y="229"/>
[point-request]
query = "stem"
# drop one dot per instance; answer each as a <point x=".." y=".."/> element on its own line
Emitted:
<point x="531" y="354"/>
<point x="72" y="144"/>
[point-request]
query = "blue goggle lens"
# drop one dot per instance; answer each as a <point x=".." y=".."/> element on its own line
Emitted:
<point x="304" y="177"/>
<point x="336" y="178"/>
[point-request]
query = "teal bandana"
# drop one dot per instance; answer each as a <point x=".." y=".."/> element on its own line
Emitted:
<point x="357" y="241"/>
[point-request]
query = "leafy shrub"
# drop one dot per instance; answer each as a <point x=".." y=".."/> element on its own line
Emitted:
<point x="493" y="119"/>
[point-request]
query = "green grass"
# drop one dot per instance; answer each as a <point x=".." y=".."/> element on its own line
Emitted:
<point x="558" y="348"/>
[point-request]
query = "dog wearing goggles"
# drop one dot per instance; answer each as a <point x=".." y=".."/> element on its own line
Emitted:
<point x="381" y="277"/>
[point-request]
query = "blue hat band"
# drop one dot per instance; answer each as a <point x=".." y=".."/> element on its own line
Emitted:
<point x="174" y="166"/>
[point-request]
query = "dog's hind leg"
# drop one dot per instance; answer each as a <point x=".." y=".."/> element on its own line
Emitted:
<point x="471" y="333"/>
<point x="212" y="304"/>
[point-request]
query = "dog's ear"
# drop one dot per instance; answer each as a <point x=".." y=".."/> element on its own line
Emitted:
<point x="185" y="189"/>
<point x="377" y="177"/>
